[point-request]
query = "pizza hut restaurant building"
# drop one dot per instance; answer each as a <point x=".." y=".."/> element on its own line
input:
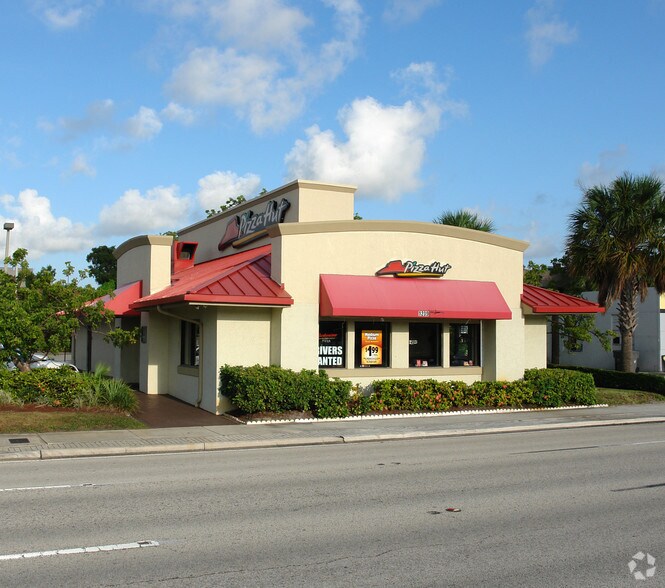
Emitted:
<point x="291" y="279"/>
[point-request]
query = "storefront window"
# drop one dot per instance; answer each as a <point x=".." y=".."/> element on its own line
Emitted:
<point x="372" y="344"/>
<point x="424" y="344"/>
<point x="189" y="344"/>
<point x="464" y="344"/>
<point x="332" y="348"/>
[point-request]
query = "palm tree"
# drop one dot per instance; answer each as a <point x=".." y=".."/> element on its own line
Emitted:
<point x="617" y="239"/>
<point x="466" y="219"/>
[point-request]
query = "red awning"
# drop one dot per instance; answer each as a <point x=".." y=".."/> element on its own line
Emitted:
<point x="372" y="296"/>
<point x="243" y="278"/>
<point x="121" y="298"/>
<point x="544" y="301"/>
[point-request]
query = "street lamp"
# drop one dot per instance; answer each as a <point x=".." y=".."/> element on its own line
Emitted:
<point x="8" y="227"/>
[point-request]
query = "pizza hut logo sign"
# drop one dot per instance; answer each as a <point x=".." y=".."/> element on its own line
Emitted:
<point x="414" y="269"/>
<point x="249" y="226"/>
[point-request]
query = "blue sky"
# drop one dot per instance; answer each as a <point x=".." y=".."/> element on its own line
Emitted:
<point x="120" y="118"/>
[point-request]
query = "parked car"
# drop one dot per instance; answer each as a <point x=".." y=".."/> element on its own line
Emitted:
<point x="39" y="360"/>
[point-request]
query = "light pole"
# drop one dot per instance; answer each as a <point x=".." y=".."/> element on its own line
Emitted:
<point x="8" y="227"/>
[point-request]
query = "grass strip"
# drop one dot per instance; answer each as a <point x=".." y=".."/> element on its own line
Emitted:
<point x="49" y="422"/>
<point x="616" y="397"/>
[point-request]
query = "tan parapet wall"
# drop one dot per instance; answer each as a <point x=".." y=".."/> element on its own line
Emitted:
<point x="309" y="200"/>
<point x="147" y="258"/>
<point x="303" y="251"/>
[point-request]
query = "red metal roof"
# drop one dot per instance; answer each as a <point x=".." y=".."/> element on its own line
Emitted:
<point x="119" y="302"/>
<point x="243" y="278"/>
<point x="544" y="301"/>
<point x="372" y="296"/>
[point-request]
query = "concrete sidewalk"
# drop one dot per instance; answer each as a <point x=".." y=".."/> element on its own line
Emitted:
<point x="220" y="437"/>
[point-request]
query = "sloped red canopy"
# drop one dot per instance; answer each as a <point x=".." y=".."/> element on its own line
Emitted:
<point x="119" y="302"/>
<point x="372" y="296"/>
<point x="243" y="278"/>
<point x="544" y="301"/>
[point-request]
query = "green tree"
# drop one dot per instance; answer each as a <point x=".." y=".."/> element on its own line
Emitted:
<point x="572" y="329"/>
<point x="617" y="239"/>
<point x="40" y="313"/>
<point x="103" y="265"/>
<point x="534" y="273"/>
<point x="231" y="203"/>
<point x="465" y="219"/>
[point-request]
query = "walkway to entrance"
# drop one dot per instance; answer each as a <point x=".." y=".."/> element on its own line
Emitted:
<point x="161" y="410"/>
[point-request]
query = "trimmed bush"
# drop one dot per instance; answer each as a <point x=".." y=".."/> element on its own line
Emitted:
<point x="432" y="395"/>
<point x="557" y="387"/>
<point x="65" y="388"/>
<point x="50" y="387"/>
<point x="623" y="380"/>
<point x="273" y="389"/>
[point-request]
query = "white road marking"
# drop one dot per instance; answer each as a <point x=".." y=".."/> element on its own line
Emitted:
<point x="47" y="487"/>
<point x="76" y="550"/>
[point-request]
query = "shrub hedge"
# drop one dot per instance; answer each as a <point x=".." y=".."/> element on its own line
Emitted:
<point x="273" y="389"/>
<point x="623" y="380"/>
<point x="65" y="388"/>
<point x="556" y="387"/>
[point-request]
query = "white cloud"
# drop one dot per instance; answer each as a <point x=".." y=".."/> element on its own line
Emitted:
<point x="100" y="120"/>
<point x="64" y="14"/>
<point x="545" y="32"/>
<point x="383" y="153"/>
<point x="81" y="166"/>
<point x="608" y="167"/>
<point x="543" y="245"/>
<point x="98" y="115"/>
<point x="228" y="78"/>
<point x="160" y="209"/>
<point x="406" y="11"/>
<point x="266" y="77"/>
<point x="273" y="25"/>
<point x="144" y="125"/>
<point x="176" y="113"/>
<point x="216" y="188"/>
<point x="38" y="230"/>
<point x="385" y="145"/>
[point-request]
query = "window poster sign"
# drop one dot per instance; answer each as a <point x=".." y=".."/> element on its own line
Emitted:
<point x="331" y="344"/>
<point x="371" y="347"/>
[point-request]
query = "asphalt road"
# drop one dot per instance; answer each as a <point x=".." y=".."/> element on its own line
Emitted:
<point x="554" y="508"/>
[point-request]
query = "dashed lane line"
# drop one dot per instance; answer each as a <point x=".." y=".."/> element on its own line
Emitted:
<point x="79" y="550"/>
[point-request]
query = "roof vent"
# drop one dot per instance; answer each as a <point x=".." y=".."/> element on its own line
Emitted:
<point x="182" y="255"/>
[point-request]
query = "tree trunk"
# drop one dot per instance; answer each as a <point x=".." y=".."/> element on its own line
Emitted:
<point x="627" y="324"/>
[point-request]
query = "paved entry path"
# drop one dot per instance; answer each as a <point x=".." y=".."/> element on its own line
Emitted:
<point x="160" y="411"/>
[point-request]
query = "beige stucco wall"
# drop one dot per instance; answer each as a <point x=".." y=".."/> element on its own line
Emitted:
<point x="535" y="341"/>
<point x="325" y="241"/>
<point x="154" y="354"/>
<point x="304" y="251"/>
<point x="242" y="338"/>
<point x="146" y="258"/>
<point x="310" y="201"/>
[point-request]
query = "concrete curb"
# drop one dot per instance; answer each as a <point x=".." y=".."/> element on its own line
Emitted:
<point x="493" y="430"/>
<point x="221" y="445"/>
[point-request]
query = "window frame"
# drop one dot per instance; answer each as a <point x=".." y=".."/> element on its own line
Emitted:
<point x="473" y="357"/>
<point x="190" y="335"/>
<point x="386" y="328"/>
<point x="432" y="360"/>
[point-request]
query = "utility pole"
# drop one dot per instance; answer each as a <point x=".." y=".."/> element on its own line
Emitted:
<point x="8" y="227"/>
